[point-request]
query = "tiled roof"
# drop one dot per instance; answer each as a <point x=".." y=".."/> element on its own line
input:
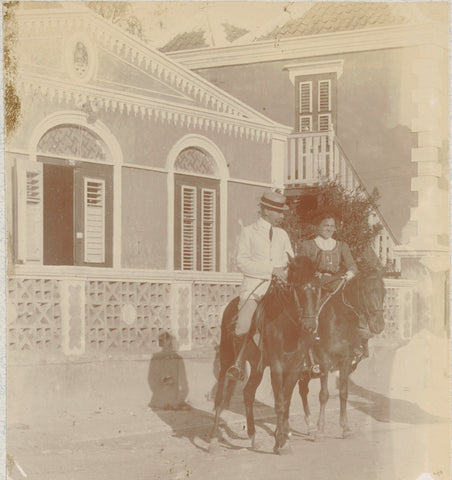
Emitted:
<point x="233" y="32"/>
<point x="186" y="41"/>
<point x="327" y="17"/>
<point x="203" y="36"/>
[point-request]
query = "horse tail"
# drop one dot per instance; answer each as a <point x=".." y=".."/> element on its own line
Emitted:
<point x="226" y="348"/>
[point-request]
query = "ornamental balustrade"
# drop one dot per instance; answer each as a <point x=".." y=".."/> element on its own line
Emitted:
<point x="315" y="156"/>
<point x="106" y="315"/>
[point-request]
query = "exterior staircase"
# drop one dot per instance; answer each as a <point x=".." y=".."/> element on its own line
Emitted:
<point x="315" y="156"/>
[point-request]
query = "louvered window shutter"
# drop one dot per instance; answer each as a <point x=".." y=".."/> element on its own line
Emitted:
<point x="29" y="201"/>
<point x="188" y="228"/>
<point x="94" y="220"/>
<point x="324" y="95"/>
<point x="305" y="124"/>
<point x="208" y="228"/>
<point x="305" y="97"/>
<point x="324" y="122"/>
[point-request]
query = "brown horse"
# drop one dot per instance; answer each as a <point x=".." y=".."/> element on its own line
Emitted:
<point x="338" y="336"/>
<point x="287" y="319"/>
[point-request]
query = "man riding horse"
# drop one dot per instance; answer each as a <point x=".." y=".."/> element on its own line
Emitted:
<point x="334" y="262"/>
<point x="263" y="251"/>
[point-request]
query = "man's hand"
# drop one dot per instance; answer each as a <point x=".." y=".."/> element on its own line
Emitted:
<point x="280" y="272"/>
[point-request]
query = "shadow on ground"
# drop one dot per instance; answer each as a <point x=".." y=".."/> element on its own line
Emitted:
<point x="385" y="409"/>
<point x="169" y="390"/>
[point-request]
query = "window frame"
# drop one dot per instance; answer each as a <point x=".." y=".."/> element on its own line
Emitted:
<point x="316" y="81"/>
<point x="200" y="184"/>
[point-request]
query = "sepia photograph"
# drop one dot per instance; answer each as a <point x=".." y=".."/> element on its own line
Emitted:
<point x="226" y="232"/>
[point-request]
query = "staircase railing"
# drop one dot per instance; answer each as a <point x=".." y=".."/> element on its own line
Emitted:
<point x="315" y="156"/>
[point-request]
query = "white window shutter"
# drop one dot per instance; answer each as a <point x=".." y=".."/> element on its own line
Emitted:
<point x="208" y="245"/>
<point x="324" y="95"/>
<point x="94" y="220"/>
<point x="188" y="215"/>
<point x="305" y="97"/>
<point x="29" y="201"/>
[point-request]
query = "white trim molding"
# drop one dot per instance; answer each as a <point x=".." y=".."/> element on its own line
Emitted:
<point x="170" y="113"/>
<point x="74" y="273"/>
<point x="336" y="43"/>
<point x="314" y="68"/>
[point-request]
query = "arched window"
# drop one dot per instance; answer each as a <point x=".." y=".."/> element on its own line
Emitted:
<point x="65" y="216"/>
<point x="197" y="211"/>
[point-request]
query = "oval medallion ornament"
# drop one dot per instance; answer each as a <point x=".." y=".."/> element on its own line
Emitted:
<point x="80" y="58"/>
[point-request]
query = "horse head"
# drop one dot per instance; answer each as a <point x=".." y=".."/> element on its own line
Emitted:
<point x="300" y="275"/>
<point x="370" y="294"/>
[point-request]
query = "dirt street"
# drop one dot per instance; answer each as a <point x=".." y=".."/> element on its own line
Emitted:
<point x="393" y="439"/>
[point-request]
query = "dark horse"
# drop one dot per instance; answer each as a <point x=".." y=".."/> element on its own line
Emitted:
<point x="338" y="328"/>
<point x="287" y="318"/>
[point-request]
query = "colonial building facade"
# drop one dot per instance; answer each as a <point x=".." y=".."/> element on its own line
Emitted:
<point x="131" y="173"/>
<point x="128" y="179"/>
<point x="364" y="87"/>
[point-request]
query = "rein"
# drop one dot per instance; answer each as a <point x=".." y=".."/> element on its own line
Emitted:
<point x="327" y="297"/>
<point x="284" y="299"/>
<point x="362" y="304"/>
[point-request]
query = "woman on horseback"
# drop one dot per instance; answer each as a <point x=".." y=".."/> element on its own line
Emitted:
<point x="333" y="260"/>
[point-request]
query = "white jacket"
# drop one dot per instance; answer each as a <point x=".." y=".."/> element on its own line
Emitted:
<point x="257" y="256"/>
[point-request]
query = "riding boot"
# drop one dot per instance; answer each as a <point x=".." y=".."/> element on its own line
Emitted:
<point x="237" y="371"/>
<point x="362" y="350"/>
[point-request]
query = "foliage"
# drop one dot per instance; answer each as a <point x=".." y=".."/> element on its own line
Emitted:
<point x="12" y="101"/>
<point x="119" y="13"/>
<point x="352" y="208"/>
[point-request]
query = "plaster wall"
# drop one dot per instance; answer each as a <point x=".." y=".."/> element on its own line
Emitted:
<point x="375" y="112"/>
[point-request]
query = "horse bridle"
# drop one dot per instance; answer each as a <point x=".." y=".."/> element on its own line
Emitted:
<point x="293" y="292"/>
<point x="305" y="288"/>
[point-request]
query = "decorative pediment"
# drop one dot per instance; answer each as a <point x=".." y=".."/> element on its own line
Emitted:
<point x="96" y="60"/>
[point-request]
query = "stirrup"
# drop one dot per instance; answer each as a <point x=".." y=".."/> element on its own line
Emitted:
<point x="358" y="355"/>
<point x="235" y="373"/>
<point x="314" y="371"/>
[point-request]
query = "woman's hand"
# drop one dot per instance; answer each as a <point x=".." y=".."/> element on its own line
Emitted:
<point x="280" y="272"/>
<point x="349" y="275"/>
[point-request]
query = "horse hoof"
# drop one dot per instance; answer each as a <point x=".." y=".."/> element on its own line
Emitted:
<point x="214" y="446"/>
<point x="286" y="449"/>
<point x="347" y="433"/>
<point x="312" y="432"/>
<point x="319" y="436"/>
<point x="255" y="444"/>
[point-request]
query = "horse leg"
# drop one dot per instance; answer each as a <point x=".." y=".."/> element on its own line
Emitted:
<point x="249" y="393"/>
<point x="277" y="385"/>
<point x="219" y="406"/>
<point x="303" y="388"/>
<point x="289" y="384"/>
<point x="223" y="391"/>
<point x="344" y="373"/>
<point x="324" y="395"/>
